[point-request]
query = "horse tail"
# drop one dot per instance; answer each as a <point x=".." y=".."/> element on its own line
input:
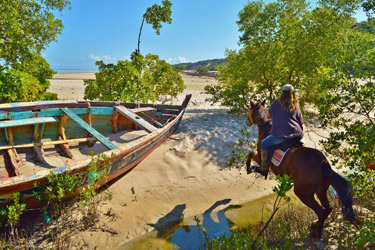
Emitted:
<point x="344" y="192"/>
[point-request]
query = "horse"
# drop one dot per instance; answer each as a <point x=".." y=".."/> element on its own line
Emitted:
<point x="309" y="170"/>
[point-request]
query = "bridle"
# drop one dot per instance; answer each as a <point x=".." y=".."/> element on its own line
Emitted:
<point x="261" y="120"/>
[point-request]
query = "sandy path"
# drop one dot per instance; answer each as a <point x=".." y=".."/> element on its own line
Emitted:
<point x="187" y="172"/>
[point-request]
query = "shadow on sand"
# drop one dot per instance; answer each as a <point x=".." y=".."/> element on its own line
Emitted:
<point x="214" y="132"/>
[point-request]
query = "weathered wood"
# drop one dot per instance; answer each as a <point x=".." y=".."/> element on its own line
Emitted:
<point x="47" y="143"/>
<point x="53" y="112"/>
<point x="30" y="121"/>
<point x="13" y="160"/>
<point x="41" y="131"/>
<point x="27" y="104"/>
<point x="38" y="135"/>
<point x="24" y="106"/>
<point x="144" y="109"/>
<point x="136" y="119"/>
<point x="38" y="151"/>
<point x="115" y="123"/>
<point x="65" y="148"/>
<point x="62" y="137"/>
<point x="152" y="119"/>
<point x="90" y="129"/>
<point x="88" y="120"/>
<point x="12" y="153"/>
<point x="186" y="101"/>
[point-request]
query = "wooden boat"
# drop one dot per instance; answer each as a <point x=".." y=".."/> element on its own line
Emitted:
<point x="39" y="137"/>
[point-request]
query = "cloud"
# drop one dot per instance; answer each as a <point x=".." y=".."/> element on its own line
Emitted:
<point x="174" y="60"/>
<point x="105" y="58"/>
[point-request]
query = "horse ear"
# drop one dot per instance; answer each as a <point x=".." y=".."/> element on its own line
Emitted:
<point x="252" y="103"/>
<point x="264" y="102"/>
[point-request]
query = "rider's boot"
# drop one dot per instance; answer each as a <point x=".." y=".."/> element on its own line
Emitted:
<point x="263" y="168"/>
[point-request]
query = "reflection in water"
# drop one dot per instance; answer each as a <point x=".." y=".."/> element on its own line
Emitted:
<point x="190" y="236"/>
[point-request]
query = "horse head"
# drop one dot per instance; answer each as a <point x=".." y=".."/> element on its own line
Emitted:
<point x="256" y="114"/>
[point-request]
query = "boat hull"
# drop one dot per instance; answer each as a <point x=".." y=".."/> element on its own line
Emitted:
<point x="123" y="159"/>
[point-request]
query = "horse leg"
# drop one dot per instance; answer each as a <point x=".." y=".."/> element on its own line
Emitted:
<point x="309" y="200"/>
<point x="322" y="195"/>
<point x="251" y="156"/>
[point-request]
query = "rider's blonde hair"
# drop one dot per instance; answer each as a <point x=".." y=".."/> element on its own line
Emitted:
<point x="289" y="100"/>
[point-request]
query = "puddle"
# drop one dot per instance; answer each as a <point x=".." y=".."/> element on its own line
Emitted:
<point x="220" y="219"/>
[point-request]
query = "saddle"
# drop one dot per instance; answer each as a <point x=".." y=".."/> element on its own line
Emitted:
<point x="277" y="152"/>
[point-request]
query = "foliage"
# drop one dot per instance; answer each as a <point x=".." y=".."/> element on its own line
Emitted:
<point x="366" y="26"/>
<point x="238" y="156"/>
<point x="56" y="191"/>
<point x="139" y="80"/>
<point x="202" y="69"/>
<point x="143" y="78"/>
<point x="179" y="68"/>
<point x="157" y="14"/>
<point x="212" y="64"/>
<point x="97" y="170"/>
<point x="369" y="7"/>
<point x="283" y="42"/>
<point x="12" y="212"/>
<point x="349" y="106"/>
<point x="27" y="28"/>
<point x="284" y="185"/>
<point x="17" y="85"/>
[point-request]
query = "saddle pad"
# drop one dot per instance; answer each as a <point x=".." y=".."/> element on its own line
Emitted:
<point x="278" y="156"/>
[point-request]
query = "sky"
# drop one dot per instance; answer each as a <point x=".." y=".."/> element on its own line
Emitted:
<point x="108" y="30"/>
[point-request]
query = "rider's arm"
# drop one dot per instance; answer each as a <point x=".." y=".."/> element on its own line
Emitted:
<point x="268" y="116"/>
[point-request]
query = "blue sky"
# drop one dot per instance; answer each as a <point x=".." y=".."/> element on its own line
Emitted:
<point x="108" y="30"/>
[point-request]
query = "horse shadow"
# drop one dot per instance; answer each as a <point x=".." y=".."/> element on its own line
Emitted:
<point x="166" y="225"/>
<point x="192" y="236"/>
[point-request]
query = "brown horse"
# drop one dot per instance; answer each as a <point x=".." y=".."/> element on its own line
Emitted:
<point x="309" y="170"/>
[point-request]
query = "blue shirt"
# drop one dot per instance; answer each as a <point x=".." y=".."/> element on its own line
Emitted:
<point x="285" y="124"/>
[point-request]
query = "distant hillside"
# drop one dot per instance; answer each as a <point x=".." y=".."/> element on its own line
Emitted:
<point x="365" y="26"/>
<point x="211" y="64"/>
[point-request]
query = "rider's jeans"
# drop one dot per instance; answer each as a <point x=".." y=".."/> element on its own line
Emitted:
<point x="270" y="141"/>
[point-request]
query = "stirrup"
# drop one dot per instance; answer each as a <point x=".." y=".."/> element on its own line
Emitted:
<point x="258" y="170"/>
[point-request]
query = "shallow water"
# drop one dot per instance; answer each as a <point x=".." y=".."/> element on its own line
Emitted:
<point x="220" y="219"/>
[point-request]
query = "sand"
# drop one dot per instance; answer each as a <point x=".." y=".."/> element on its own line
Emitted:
<point x="185" y="176"/>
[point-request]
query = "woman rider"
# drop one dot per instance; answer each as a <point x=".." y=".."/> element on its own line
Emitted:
<point x="286" y="124"/>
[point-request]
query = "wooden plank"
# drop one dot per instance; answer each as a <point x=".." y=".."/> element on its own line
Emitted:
<point x="13" y="160"/>
<point x="62" y="137"/>
<point x="144" y="109"/>
<point x="90" y="129"/>
<point x="153" y="120"/>
<point x="65" y="148"/>
<point x="41" y="131"/>
<point x="136" y="119"/>
<point x="30" y="121"/>
<point x="115" y="123"/>
<point x="88" y="120"/>
<point x="12" y="153"/>
<point x="27" y="104"/>
<point x="38" y="151"/>
<point x="47" y="143"/>
<point x="52" y="112"/>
